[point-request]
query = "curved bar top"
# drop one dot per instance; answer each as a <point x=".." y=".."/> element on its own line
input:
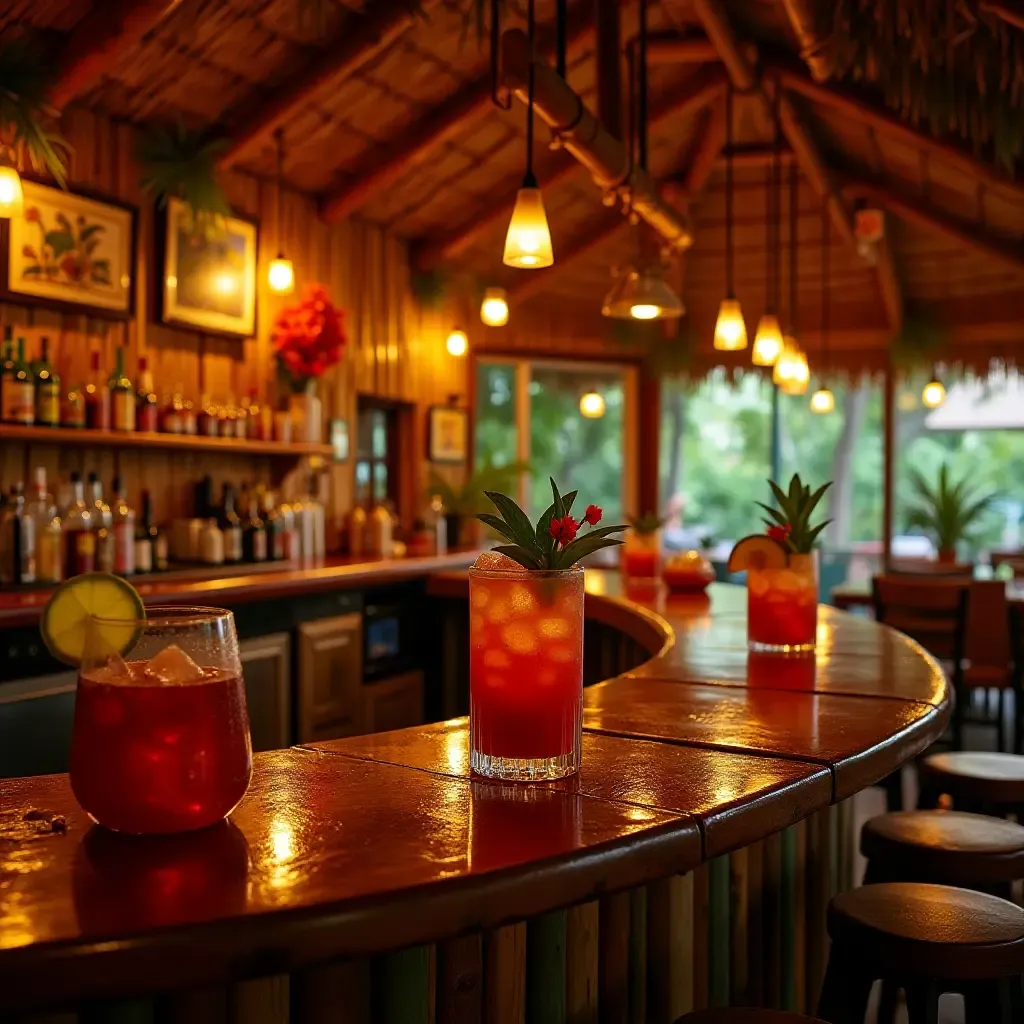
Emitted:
<point x="359" y="846"/>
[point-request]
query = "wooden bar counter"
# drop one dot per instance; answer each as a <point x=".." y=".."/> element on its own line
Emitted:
<point x="370" y="879"/>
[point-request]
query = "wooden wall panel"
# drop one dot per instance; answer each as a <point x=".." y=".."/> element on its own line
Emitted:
<point x="395" y="351"/>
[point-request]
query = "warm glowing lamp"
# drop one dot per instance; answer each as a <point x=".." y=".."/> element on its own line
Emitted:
<point x="12" y="199"/>
<point x="730" y="329"/>
<point x="823" y="401"/>
<point x="791" y="372"/>
<point x="934" y="393"/>
<point x="768" y="342"/>
<point x="457" y="343"/>
<point x="592" y="405"/>
<point x="494" y="309"/>
<point x="528" y="242"/>
<point x="281" y="276"/>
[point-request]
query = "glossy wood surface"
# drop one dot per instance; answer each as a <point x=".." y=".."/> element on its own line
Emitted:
<point x="368" y="844"/>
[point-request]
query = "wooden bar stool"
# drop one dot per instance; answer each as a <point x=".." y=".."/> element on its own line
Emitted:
<point x="973" y="851"/>
<point x="977" y="781"/>
<point x="925" y="939"/>
<point x="739" y="1016"/>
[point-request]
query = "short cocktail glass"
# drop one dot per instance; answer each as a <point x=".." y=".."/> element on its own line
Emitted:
<point x="782" y="606"/>
<point x="526" y="673"/>
<point x="641" y="554"/>
<point x="161" y="735"/>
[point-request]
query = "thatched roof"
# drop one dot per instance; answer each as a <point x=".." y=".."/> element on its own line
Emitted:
<point x="387" y="116"/>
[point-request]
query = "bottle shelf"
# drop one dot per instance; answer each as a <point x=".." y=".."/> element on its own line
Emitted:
<point x="167" y="442"/>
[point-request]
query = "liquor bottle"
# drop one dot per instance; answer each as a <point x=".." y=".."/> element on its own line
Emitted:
<point x="123" y="516"/>
<point x="227" y="416"/>
<point x="437" y="525"/>
<point x="19" y="397"/>
<point x="122" y="397"/>
<point x="17" y="540"/>
<point x="274" y="523"/>
<point x="206" y="418"/>
<point x="157" y="537"/>
<point x="43" y="513"/>
<point x="103" y="523"/>
<point x="242" y="421"/>
<point x="202" y="501"/>
<point x="230" y="526"/>
<point x="47" y="390"/>
<point x="189" y="421"/>
<point x="78" y="532"/>
<point x="254" y="419"/>
<point x="212" y="543"/>
<point x="172" y="414"/>
<point x="254" y="531"/>
<point x="146" y="407"/>
<point x="7" y="378"/>
<point x="97" y="396"/>
<point x="290" y="545"/>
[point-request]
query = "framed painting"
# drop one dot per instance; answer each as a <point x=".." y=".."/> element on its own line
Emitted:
<point x="208" y="276"/>
<point x="447" y="434"/>
<point x="70" y="251"/>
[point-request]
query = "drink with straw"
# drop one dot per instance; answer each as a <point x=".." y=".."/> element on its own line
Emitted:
<point x="781" y="568"/>
<point x="526" y="641"/>
<point x="161" y="733"/>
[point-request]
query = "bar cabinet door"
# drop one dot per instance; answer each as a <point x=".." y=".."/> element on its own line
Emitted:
<point x="266" y="668"/>
<point x="36" y="716"/>
<point x="393" y="703"/>
<point x="330" y="678"/>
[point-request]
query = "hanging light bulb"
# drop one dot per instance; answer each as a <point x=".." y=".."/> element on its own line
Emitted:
<point x="823" y="401"/>
<point x="280" y="273"/>
<point x="791" y="372"/>
<point x="730" y="330"/>
<point x="592" y="405"/>
<point x="801" y="374"/>
<point x="12" y="198"/>
<point x="768" y="341"/>
<point x="934" y="393"/>
<point x="494" y="308"/>
<point x="642" y="295"/>
<point x="457" y="343"/>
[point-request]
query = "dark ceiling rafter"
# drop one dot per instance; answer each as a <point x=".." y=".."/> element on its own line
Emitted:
<point x="471" y="102"/>
<point x="109" y="30"/>
<point x="381" y="24"/>
<point x="705" y="86"/>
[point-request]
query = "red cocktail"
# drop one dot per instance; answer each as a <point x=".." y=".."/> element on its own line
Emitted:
<point x="782" y="606"/>
<point x="641" y="554"/>
<point x="526" y="672"/>
<point x="161" y="741"/>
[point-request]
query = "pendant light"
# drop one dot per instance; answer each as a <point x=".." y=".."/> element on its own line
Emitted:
<point x="791" y="373"/>
<point x="934" y="393"/>
<point x="730" y="329"/>
<point x="457" y="343"/>
<point x="281" y="273"/>
<point x="768" y="338"/>
<point x="12" y="198"/>
<point x="528" y="242"/>
<point x="494" y="308"/>
<point x="592" y="405"/>
<point x="823" y="401"/>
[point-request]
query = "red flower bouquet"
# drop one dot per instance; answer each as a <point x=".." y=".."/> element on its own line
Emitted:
<point x="309" y="337"/>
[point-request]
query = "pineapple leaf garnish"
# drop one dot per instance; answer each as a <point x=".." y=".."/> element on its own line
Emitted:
<point x="646" y="524"/>
<point x="790" y="522"/>
<point x="555" y="542"/>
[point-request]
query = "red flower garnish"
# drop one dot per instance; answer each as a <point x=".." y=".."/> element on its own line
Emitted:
<point x="592" y="515"/>
<point x="564" y="530"/>
<point x="780" y="533"/>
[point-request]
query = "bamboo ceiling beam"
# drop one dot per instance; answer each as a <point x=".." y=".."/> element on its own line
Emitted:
<point x="110" y="29"/>
<point x="705" y="154"/>
<point x="929" y="217"/>
<point x="671" y="48"/>
<point x="532" y="281"/>
<point x="383" y="22"/>
<point x="608" y="22"/>
<point x="804" y="17"/>
<point x="1010" y="13"/>
<point x="378" y="170"/>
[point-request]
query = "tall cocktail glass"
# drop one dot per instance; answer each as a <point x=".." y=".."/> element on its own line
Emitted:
<point x="526" y="673"/>
<point x="782" y="606"/>
<point x="161" y="735"/>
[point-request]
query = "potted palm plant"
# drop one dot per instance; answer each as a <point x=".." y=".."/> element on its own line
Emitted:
<point x="947" y="512"/>
<point x="462" y="502"/>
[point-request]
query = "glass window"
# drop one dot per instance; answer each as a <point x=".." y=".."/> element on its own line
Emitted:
<point x="496" y="438"/>
<point x="375" y="433"/>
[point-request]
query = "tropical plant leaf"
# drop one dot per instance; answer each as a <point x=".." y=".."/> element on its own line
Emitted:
<point x="521" y="527"/>
<point x="557" y="502"/>
<point x="580" y="548"/>
<point x="567" y="501"/>
<point x="498" y="525"/>
<point x="180" y="163"/>
<point x="524" y="556"/>
<point x="779" y="518"/>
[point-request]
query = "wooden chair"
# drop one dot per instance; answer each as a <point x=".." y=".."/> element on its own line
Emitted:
<point x="932" y="569"/>
<point x="934" y="613"/>
<point x="1015" y="624"/>
<point x="988" y="667"/>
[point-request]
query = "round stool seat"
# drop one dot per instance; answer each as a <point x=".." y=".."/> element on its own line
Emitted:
<point x="746" y="1017"/>
<point x="930" y="931"/>
<point x="976" y="777"/>
<point x="949" y="847"/>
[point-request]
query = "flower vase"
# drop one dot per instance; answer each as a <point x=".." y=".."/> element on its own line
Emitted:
<point x="307" y="415"/>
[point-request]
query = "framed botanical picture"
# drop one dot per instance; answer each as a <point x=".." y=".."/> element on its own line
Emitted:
<point x="447" y="434"/>
<point x="208" y="276"/>
<point x="70" y="251"/>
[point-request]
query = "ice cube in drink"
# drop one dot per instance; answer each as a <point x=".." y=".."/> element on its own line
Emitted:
<point x="160" y="745"/>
